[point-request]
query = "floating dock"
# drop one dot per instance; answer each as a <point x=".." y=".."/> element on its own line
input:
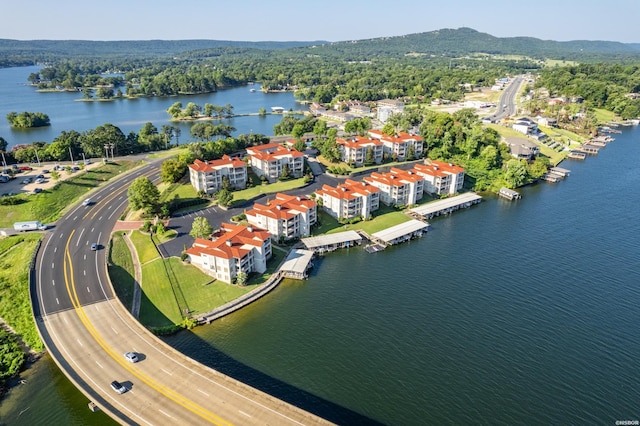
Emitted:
<point x="400" y="233"/>
<point x="577" y="155"/>
<point x="330" y="242"/>
<point x="446" y="206"/>
<point x="560" y="171"/>
<point x="297" y="263"/>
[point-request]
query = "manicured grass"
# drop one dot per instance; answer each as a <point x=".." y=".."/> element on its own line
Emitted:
<point x="15" y="306"/>
<point x="158" y="305"/>
<point x="144" y="246"/>
<point x="178" y="190"/>
<point x="250" y="193"/>
<point x="48" y="205"/>
<point x="168" y="235"/>
<point x="121" y="269"/>
<point x="160" y="301"/>
<point x="604" y="116"/>
<point x="170" y="153"/>
<point x="385" y="217"/>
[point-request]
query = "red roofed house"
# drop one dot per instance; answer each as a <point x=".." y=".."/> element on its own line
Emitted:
<point x="233" y="249"/>
<point x="286" y="216"/>
<point x="207" y="175"/>
<point x="354" y="150"/>
<point x="440" y="177"/>
<point x="350" y="199"/>
<point x="267" y="160"/>
<point x="398" y="187"/>
<point x="399" y="145"/>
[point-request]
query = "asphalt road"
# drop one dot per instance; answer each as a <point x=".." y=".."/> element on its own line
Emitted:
<point x="508" y="98"/>
<point x="87" y="330"/>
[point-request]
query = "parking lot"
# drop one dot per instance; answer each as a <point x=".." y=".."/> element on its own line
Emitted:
<point x="18" y="185"/>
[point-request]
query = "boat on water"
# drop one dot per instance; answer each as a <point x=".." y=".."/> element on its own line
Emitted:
<point x="252" y="90"/>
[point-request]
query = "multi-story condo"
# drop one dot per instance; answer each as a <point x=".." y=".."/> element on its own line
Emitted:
<point x="398" y="187"/>
<point x="440" y="177"/>
<point x="232" y="249"/>
<point x="388" y="107"/>
<point x="399" y="145"/>
<point x="354" y="150"/>
<point x="207" y="176"/>
<point x="269" y="159"/>
<point x="285" y="217"/>
<point x="350" y="199"/>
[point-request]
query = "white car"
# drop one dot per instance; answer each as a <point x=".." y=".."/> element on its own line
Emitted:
<point x="118" y="387"/>
<point x="87" y="202"/>
<point x="131" y="356"/>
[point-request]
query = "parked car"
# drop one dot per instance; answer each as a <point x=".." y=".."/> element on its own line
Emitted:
<point x="37" y="190"/>
<point x="118" y="387"/>
<point x="131" y="357"/>
<point x="40" y="180"/>
<point x="26" y="181"/>
<point x="45" y="170"/>
<point x="4" y="179"/>
<point x="75" y="168"/>
<point x="26" y="168"/>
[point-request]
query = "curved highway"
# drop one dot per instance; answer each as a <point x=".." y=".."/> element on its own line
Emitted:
<point x="87" y="330"/>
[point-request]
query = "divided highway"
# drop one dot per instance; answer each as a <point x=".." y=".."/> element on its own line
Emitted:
<point x="87" y="330"/>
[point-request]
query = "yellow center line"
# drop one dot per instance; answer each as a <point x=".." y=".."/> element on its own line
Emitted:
<point x="169" y="393"/>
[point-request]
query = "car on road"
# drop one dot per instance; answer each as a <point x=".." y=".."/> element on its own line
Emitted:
<point x="87" y="202"/>
<point x="118" y="387"/>
<point x="131" y="356"/>
<point x="94" y="246"/>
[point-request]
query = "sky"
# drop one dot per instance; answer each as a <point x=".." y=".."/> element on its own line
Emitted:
<point x="328" y="20"/>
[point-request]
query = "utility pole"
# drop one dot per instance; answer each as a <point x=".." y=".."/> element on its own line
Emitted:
<point x="71" y="155"/>
<point x="37" y="157"/>
<point x="4" y="162"/>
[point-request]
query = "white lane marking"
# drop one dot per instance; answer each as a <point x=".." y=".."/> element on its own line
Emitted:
<point x="75" y="217"/>
<point x="243" y="413"/>
<point x="85" y="256"/>
<point x="85" y="272"/>
<point x="203" y="392"/>
<point x="53" y="282"/>
<point x="53" y="265"/>
<point x="79" y="342"/>
<point x="168" y="372"/>
<point x="88" y="291"/>
<point x="55" y="249"/>
<point x="114" y="330"/>
<point x="100" y="218"/>
<point x="61" y="235"/>
<point x="57" y="301"/>
<point x="171" y="417"/>
<point x="66" y="321"/>
<point x="92" y="229"/>
<point x="99" y="365"/>
<point x="80" y="237"/>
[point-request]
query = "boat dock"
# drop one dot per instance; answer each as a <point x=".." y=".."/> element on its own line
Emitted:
<point x="509" y="194"/>
<point x="446" y="206"/>
<point x="330" y="242"/>
<point x="560" y="171"/>
<point x="550" y="177"/>
<point x="297" y="264"/>
<point x="577" y="155"/>
<point x="400" y="233"/>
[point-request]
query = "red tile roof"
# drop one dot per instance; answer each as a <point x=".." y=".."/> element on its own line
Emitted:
<point x="283" y="206"/>
<point x="230" y="241"/>
<point x="272" y="151"/>
<point x="400" y="137"/>
<point x="209" y="166"/>
<point x="350" y="189"/>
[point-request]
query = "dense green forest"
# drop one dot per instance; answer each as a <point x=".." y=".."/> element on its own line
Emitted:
<point x="27" y="120"/>
<point x="614" y="87"/>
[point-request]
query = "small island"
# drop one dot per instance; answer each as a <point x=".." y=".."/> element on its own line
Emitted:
<point x="28" y="120"/>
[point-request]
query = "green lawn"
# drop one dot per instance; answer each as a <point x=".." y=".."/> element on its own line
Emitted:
<point x="250" y="193"/>
<point x="144" y="246"/>
<point x="48" y="205"/>
<point x="604" y="116"/>
<point x="385" y="217"/>
<point x="121" y="270"/>
<point x="170" y="153"/>
<point x="15" y="306"/>
<point x="178" y="190"/>
<point x="160" y="302"/>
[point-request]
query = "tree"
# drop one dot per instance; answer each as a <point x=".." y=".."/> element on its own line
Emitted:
<point x="369" y="159"/>
<point x="286" y="172"/>
<point x="388" y="129"/>
<point x="262" y="111"/>
<point x="143" y="194"/>
<point x="201" y="228"/>
<point x="241" y="278"/>
<point x="515" y="173"/>
<point x="172" y="170"/>
<point x="224" y="197"/>
<point x="299" y="145"/>
<point x="175" y="110"/>
<point x="3" y="144"/>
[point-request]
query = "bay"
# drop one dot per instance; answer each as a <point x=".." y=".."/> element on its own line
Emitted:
<point x="67" y="112"/>
<point x="505" y="313"/>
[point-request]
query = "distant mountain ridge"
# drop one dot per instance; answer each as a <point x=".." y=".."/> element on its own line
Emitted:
<point x="445" y="42"/>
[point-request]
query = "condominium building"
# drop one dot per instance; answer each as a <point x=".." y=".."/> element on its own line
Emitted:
<point x="268" y="160"/>
<point x="400" y="145"/>
<point x="440" y="177"/>
<point x="398" y="187"/>
<point x="354" y="150"/>
<point x="350" y="199"/>
<point x="207" y="176"/>
<point x="285" y="216"/>
<point x="232" y="249"/>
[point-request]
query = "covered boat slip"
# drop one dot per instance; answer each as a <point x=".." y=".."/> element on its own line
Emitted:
<point x="400" y="233"/>
<point x="448" y="205"/>
<point x="297" y="264"/>
<point x="330" y="242"/>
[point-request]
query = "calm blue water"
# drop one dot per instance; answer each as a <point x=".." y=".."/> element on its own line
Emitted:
<point x="67" y="112"/>
<point x="506" y="313"/>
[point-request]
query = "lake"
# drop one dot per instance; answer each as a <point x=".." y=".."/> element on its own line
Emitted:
<point x="67" y="111"/>
<point x="507" y="313"/>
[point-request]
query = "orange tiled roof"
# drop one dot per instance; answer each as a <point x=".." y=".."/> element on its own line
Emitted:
<point x="208" y="166"/>
<point x="239" y="236"/>
<point x="348" y="190"/>
<point x="283" y="206"/>
<point x="400" y="137"/>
